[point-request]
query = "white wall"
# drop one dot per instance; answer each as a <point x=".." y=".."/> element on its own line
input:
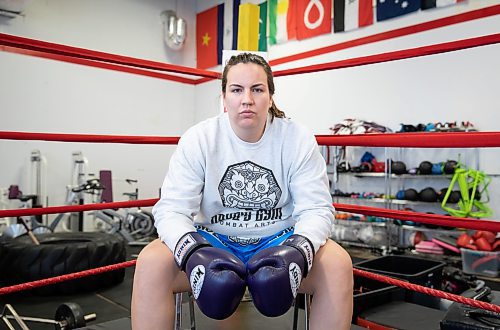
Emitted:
<point x="124" y="27"/>
<point x="41" y="95"/>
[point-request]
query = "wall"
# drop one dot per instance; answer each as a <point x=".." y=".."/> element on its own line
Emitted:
<point x="40" y="95"/>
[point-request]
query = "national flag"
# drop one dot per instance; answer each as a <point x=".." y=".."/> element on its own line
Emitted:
<point x="282" y="21"/>
<point x="209" y="37"/>
<point x="263" y="27"/>
<point x="387" y="9"/>
<point x="231" y="12"/>
<point x="313" y="18"/>
<point x="427" y="4"/>
<point x="248" y="27"/>
<point x="351" y="14"/>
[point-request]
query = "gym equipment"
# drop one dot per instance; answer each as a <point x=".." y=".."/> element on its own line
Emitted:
<point x="459" y="316"/>
<point x="29" y="224"/>
<point x="400" y="195"/>
<point x="437" y="169"/>
<point x="378" y="167"/>
<point x="411" y="194"/>
<point x="428" y="195"/>
<point x="449" y="167"/>
<point x="137" y="227"/>
<point x="68" y="316"/>
<point x="425" y="168"/>
<point x="358" y="126"/>
<point x="453" y="198"/>
<point x="398" y="167"/>
<point x="22" y="261"/>
<point x="343" y="167"/>
<point x="33" y="223"/>
<point x="470" y="183"/>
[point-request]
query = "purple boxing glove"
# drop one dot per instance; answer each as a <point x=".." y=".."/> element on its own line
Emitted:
<point x="217" y="277"/>
<point x="274" y="274"/>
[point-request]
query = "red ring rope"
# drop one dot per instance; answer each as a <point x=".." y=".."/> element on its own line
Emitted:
<point x="435" y="219"/>
<point x="415" y="140"/>
<point x="66" y="277"/>
<point x="57" y="49"/>
<point x="93" y="138"/>
<point x="408" y="140"/>
<point x="396" y="55"/>
<point x="76" y="208"/>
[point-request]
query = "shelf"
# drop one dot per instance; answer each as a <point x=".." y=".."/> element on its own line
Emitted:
<point x="432" y="230"/>
<point x="395" y="176"/>
<point x="354" y="223"/>
<point x="362" y="245"/>
<point x="369" y="200"/>
<point x="383" y="200"/>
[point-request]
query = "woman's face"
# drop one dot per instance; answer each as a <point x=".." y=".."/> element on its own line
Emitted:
<point x="247" y="100"/>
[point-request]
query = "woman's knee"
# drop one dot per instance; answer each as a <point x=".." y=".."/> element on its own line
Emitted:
<point x="156" y="265"/>
<point x="332" y="264"/>
<point x="333" y="255"/>
<point x="342" y="259"/>
<point x="153" y="253"/>
<point x="156" y="258"/>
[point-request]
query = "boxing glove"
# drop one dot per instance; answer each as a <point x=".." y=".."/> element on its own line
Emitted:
<point x="274" y="274"/>
<point x="216" y="276"/>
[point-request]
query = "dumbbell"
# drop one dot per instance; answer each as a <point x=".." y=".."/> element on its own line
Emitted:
<point x="71" y="316"/>
<point x="68" y="316"/>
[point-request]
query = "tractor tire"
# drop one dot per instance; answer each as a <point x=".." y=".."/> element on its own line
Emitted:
<point x="22" y="261"/>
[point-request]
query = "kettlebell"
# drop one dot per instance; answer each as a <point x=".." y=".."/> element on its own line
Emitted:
<point x="411" y="194"/>
<point x="428" y="195"/>
<point x="400" y="195"/>
<point x="437" y="168"/>
<point x="425" y="167"/>
<point x="449" y="167"/>
<point x="398" y="167"/>
<point x="477" y="195"/>
<point x="441" y="194"/>
<point x="452" y="199"/>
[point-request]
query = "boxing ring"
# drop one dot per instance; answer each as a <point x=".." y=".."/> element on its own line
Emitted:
<point x="178" y="73"/>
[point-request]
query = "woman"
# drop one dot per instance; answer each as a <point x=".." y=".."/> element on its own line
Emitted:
<point x="245" y="202"/>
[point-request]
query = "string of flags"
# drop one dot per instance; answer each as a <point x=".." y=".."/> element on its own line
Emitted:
<point x="254" y="26"/>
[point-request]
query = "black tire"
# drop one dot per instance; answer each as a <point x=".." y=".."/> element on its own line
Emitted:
<point x="62" y="253"/>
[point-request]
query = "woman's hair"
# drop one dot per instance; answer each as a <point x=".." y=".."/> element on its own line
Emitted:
<point x="256" y="59"/>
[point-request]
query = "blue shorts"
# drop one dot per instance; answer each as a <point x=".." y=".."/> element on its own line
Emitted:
<point x="243" y="247"/>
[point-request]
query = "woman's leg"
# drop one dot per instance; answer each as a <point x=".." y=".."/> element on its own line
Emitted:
<point x="330" y="281"/>
<point x="156" y="279"/>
